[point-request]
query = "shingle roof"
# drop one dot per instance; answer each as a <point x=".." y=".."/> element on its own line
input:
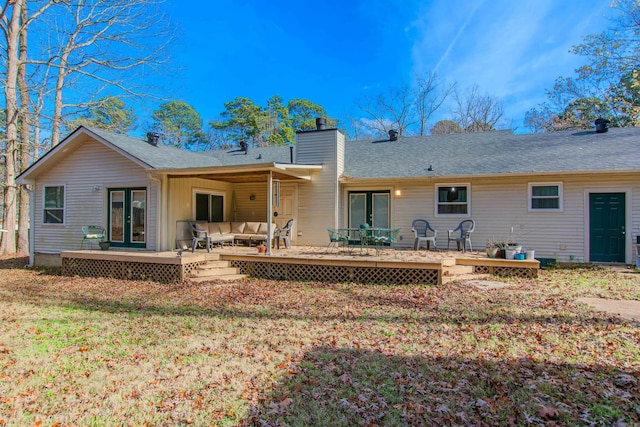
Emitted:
<point x="490" y="153"/>
<point x="166" y="157"/>
<point x="485" y="153"/>
<point x="158" y="156"/>
<point x="234" y="156"/>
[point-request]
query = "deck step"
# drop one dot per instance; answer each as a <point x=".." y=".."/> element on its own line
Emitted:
<point x="215" y="272"/>
<point x="226" y="278"/>
<point x="456" y="270"/>
<point x="212" y="265"/>
<point x="465" y="277"/>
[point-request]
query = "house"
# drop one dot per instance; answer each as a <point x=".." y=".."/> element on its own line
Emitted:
<point x="571" y="195"/>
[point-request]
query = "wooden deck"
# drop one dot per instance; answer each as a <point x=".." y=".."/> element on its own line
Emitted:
<point x="297" y="263"/>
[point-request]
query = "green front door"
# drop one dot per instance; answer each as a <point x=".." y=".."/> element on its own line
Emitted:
<point x="128" y="217"/>
<point x="607" y="227"/>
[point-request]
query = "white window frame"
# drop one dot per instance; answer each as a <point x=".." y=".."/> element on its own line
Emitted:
<point x="209" y="193"/>
<point x="436" y="199"/>
<point x="44" y="204"/>
<point x="560" y="196"/>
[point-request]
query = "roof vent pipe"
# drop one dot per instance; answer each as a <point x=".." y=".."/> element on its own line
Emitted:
<point x="153" y="138"/>
<point x="321" y="123"/>
<point x="393" y="135"/>
<point x="602" y="125"/>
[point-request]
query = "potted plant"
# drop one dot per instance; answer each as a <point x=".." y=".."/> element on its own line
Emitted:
<point x="262" y="249"/>
<point x="104" y="245"/>
<point x="493" y="249"/>
<point x="511" y="249"/>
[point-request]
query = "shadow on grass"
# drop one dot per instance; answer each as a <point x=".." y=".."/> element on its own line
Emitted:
<point x="235" y="303"/>
<point x="351" y="387"/>
<point x="21" y="262"/>
<point x="12" y="262"/>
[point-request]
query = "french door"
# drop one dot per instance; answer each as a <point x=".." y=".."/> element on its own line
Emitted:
<point x="128" y="217"/>
<point x="370" y="207"/>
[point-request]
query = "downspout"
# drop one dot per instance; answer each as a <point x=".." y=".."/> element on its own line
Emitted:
<point x="269" y="211"/>
<point x="32" y="224"/>
<point x="160" y="212"/>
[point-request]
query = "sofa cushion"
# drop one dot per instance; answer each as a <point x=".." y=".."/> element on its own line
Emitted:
<point x="202" y="225"/>
<point x="214" y="228"/>
<point x="241" y="236"/>
<point x="225" y="227"/>
<point x="237" y="227"/>
<point x="251" y="227"/>
<point x="263" y="228"/>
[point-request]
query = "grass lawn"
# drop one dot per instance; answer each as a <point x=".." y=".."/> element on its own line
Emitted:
<point x="104" y="352"/>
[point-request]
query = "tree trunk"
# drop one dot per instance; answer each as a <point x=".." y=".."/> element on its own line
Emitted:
<point x="8" y="243"/>
<point x="25" y="146"/>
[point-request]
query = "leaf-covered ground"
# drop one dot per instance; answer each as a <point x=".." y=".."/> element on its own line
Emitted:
<point x="104" y="352"/>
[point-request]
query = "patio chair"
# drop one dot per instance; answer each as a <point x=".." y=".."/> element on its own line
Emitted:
<point x="284" y="233"/>
<point x="336" y="237"/>
<point x="465" y="228"/>
<point x="199" y="235"/>
<point x="385" y="237"/>
<point x="93" y="233"/>
<point x="366" y="237"/>
<point x="421" y="228"/>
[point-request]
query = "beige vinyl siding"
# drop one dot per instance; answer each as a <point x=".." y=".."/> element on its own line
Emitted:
<point x="318" y="200"/>
<point x="247" y="209"/>
<point x="90" y="166"/>
<point x="180" y="197"/>
<point x="498" y="204"/>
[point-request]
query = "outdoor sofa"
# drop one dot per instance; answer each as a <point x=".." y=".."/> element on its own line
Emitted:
<point x="234" y="231"/>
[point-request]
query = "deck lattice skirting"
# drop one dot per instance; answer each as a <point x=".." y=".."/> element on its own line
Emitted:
<point x="166" y="267"/>
<point x="157" y="267"/>
<point x="336" y="273"/>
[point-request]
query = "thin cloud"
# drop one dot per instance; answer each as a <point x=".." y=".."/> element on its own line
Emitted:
<point x="457" y="36"/>
<point x="512" y="50"/>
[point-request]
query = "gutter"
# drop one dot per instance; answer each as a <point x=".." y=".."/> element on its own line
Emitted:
<point x="347" y="178"/>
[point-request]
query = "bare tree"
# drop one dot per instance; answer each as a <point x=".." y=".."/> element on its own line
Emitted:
<point x="11" y="14"/>
<point x="391" y="110"/>
<point x="429" y="98"/>
<point x="475" y="112"/>
<point x="24" y="147"/>
<point x="95" y="45"/>
<point x="104" y="43"/>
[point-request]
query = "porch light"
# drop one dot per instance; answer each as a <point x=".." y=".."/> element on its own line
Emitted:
<point x="252" y="197"/>
<point x="398" y="193"/>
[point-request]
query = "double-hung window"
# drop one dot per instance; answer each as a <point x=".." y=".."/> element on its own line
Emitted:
<point x="453" y="200"/>
<point x="53" y="205"/>
<point x="545" y="196"/>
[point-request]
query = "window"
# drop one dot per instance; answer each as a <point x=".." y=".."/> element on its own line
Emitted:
<point x="53" y="205"/>
<point x="209" y="207"/>
<point x="545" y="196"/>
<point x="453" y="200"/>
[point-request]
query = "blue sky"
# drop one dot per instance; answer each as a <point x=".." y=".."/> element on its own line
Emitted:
<point x="334" y="52"/>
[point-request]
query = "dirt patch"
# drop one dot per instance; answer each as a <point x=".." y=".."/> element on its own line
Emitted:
<point x="624" y="308"/>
